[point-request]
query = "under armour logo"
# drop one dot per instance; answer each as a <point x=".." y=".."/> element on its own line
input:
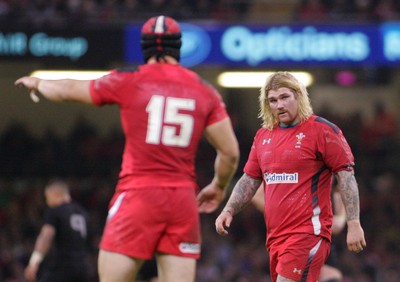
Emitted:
<point x="266" y="141"/>
<point x="298" y="271"/>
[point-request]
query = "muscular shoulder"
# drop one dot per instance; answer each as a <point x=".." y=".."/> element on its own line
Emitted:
<point x="114" y="79"/>
<point x="262" y="135"/>
<point x="325" y="124"/>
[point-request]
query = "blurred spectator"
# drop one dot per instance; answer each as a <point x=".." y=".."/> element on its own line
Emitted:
<point x="129" y="10"/>
<point x="379" y="136"/>
<point x="224" y="10"/>
<point x="65" y="13"/>
<point x="387" y="10"/>
<point x="342" y="10"/>
<point x="4" y="8"/>
<point x="201" y="9"/>
<point x="363" y="11"/>
<point x="16" y="148"/>
<point x="90" y="11"/>
<point x="312" y="11"/>
<point x="108" y="12"/>
<point x="183" y="12"/>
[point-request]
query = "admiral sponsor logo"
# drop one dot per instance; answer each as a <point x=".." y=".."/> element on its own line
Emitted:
<point x="275" y="178"/>
<point x="189" y="248"/>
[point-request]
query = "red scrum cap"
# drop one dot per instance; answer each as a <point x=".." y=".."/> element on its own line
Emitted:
<point x="161" y="36"/>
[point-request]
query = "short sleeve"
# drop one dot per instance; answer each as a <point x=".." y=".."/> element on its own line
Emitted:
<point x="218" y="108"/>
<point x="337" y="152"/>
<point x="50" y="217"/>
<point x="104" y="90"/>
<point x="252" y="166"/>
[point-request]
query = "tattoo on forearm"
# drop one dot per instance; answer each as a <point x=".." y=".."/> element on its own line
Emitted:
<point x="243" y="192"/>
<point x="348" y="188"/>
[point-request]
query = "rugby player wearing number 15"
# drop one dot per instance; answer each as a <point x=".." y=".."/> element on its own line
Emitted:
<point x="295" y="154"/>
<point x="165" y="109"/>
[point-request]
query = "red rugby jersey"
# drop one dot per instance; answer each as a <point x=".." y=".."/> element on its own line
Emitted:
<point x="297" y="164"/>
<point x="164" y="109"/>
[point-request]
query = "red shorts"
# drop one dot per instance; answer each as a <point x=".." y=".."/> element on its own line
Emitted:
<point x="298" y="257"/>
<point x="141" y="222"/>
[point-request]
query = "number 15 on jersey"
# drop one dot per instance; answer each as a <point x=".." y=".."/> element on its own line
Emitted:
<point x="164" y="117"/>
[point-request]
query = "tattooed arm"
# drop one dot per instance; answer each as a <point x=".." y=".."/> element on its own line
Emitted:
<point x="242" y="194"/>
<point x="348" y="188"/>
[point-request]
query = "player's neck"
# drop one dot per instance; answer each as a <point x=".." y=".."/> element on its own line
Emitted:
<point x="281" y="125"/>
<point x="163" y="59"/>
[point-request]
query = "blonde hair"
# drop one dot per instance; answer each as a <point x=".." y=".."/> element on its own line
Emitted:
<point x="274" y="82"/>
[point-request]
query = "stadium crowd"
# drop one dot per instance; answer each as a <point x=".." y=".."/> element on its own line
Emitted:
<point x="60" y="13"/>
<point x="90" y="162"/>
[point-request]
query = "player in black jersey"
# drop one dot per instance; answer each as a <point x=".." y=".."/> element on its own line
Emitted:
<point x="63" y="238"/>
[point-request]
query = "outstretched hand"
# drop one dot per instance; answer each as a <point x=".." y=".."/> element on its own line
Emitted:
<point x="31" y="83"/>
<point x="28" y="82"/>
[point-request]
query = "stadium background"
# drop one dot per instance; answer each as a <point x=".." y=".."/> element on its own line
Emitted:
<point x="83" y="144"/>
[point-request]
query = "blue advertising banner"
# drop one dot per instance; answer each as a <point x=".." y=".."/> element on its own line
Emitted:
<point x="209" y="44"/>
<point x="281" y="45"/>
<point x="391" y="42"/>
<point x="94" y="48"/>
